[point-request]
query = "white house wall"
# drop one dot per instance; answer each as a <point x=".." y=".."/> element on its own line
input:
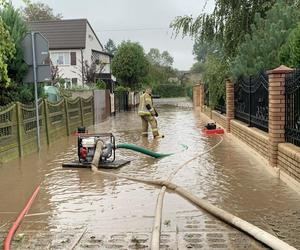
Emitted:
<point x="70" y="71"/>
<point x="74" y="71"/>
<point x="91" y="43"/>
<point x="105" y="59"/>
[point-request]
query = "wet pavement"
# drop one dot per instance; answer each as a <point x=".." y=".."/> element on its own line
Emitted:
<point x="79" y="209"/>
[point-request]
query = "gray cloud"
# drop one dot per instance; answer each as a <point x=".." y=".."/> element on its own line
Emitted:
<point x="143" y="21"/>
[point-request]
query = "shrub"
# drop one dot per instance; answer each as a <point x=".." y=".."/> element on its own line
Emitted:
<point x="120" y="88"/>
<point x="100" y="84"/>
<point x="169" y="90"/>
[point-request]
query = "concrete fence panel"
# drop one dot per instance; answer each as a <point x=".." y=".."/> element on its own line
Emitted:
<point x="18" y="123"/>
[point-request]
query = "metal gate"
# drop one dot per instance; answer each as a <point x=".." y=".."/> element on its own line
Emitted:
<point x="221" y="103"/>
<point x="206" y="95"/>
<point x="251" y="100"/>
<point x="292" y="107"/>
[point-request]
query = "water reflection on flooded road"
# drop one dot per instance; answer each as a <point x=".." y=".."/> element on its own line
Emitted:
<point x="114" y="213"/>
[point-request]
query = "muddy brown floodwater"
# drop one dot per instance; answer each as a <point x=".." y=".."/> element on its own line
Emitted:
<point x="109" y="213"/>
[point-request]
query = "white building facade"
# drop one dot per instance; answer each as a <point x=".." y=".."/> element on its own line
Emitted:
<point x="73" y="45"/>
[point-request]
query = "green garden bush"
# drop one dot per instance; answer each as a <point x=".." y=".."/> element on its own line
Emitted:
<point x="169" y="90"/>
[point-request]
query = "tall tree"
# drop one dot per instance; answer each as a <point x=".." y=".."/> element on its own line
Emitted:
<point x="39" y="11"/>
<point x="197" y="67"/>
<point x="17" y="28"/>
<point x="160" y="69"/>
<point x="227" y="25"/>
<point x="110" y="47"/>
<point x="163" y="59"/>
<point x="130" y="64"/>
<point x="215" y="68"/>
<point x="7" y="52"/>
<point x="260" y="50"/>
<point x="154" y="56"/>
<point x="166" y="59"/>
<point x="290" y="52"/>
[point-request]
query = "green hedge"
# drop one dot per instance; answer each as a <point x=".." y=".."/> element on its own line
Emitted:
<point x="189" y="91"/>
<point x="169" y="90"/>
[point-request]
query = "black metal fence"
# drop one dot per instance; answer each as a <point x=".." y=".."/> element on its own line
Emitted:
<point x="251" y="100"/>
<point x="221" y="102"/>
<point x="121" y="101"/>
<point x="221" y="105"/>
<point x="206" y="95"/>
<point x="292" y="107"/>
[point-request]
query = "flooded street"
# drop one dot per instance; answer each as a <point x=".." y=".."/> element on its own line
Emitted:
<point x="82" y="209"/>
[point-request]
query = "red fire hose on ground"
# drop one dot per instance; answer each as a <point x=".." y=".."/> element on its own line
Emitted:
<point x="15" y="225"/>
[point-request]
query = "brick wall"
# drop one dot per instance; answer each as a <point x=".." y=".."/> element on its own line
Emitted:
<point x="206" y="110"/>
<point x="197" y="95"/>
<point x="289" y="160"/>
<point x="219" y="118"/>
<point x="254" y="137"/>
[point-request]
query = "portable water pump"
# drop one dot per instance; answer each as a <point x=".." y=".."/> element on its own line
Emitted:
<point x="86" y="149"/>
<point x="87" y="144"/>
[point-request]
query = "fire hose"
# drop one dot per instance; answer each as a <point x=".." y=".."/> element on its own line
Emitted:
<point x="15" y="225"/>
<point x="248" y="228"/>
<point x="141" y="150"/>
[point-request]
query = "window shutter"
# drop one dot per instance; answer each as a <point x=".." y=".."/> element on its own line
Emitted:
<point x="73" y="58"/>
<point x="74" y="80"/>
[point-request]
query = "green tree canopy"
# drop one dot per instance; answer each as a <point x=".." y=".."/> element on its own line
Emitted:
<point x="160" y="69"/>
<point x="154" y="56"/>
<point x="166" y="59"/>
<point x="215" y="81"/>
<point x="163" y="59"/>
<point x="130" y="64"/>
<point x="17" y="28"/>
<point x="7" y="51"/>
<point x="260" y="51"/>
<point x="110" y="47"/>
<point x="290" y="51"/>
<point x="227" y="25"/>
<point x="197" y="67"/>
<point x="39" y="11"/>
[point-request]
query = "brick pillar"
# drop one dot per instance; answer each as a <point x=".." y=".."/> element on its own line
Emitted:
<point x="201" y="95"/>
<point x="229" y="103"/>
<point x="196" y="96"/>
<point x="276" y="110"/>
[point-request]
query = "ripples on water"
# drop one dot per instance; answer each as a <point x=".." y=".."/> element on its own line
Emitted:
<point x="229" y="177"/>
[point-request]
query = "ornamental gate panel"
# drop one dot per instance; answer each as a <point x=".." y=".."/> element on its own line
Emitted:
<point x="292" y="107"/>
<point x="206" y="95"/>
<point x="251" y="98"/>
<point x="221" y="102"/>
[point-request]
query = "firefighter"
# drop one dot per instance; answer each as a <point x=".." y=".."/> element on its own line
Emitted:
<point x="148" y="113"/>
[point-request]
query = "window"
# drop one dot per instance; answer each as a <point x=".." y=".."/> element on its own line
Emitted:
<point x="74" y="81"/>
<point x="73" y="58"/>
<point x="60" y="58"/>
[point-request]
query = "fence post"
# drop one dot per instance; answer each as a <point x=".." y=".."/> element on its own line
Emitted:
<point x="67" y="116"/>
<point x="276" y="110"/>
<point x="19" y="126"/>
<point x="93" y="107"/>
<point x="46" y="121"/>
<point x="81" y="111"/>
<point x="229" y="103"/>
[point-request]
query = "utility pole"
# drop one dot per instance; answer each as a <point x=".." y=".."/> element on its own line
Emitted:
<point x="36" y="91"/>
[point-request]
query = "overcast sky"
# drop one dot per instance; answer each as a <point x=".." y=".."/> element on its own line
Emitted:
<point x="143" y="21"/>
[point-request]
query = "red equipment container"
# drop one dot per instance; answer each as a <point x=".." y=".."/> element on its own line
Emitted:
<point x="218" y="131"/>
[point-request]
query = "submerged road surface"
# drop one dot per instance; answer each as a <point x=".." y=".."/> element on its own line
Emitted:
<point x="79" y="209"/>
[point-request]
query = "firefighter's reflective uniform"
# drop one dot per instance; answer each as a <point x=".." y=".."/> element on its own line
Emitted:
<point x="147" y="112"/>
